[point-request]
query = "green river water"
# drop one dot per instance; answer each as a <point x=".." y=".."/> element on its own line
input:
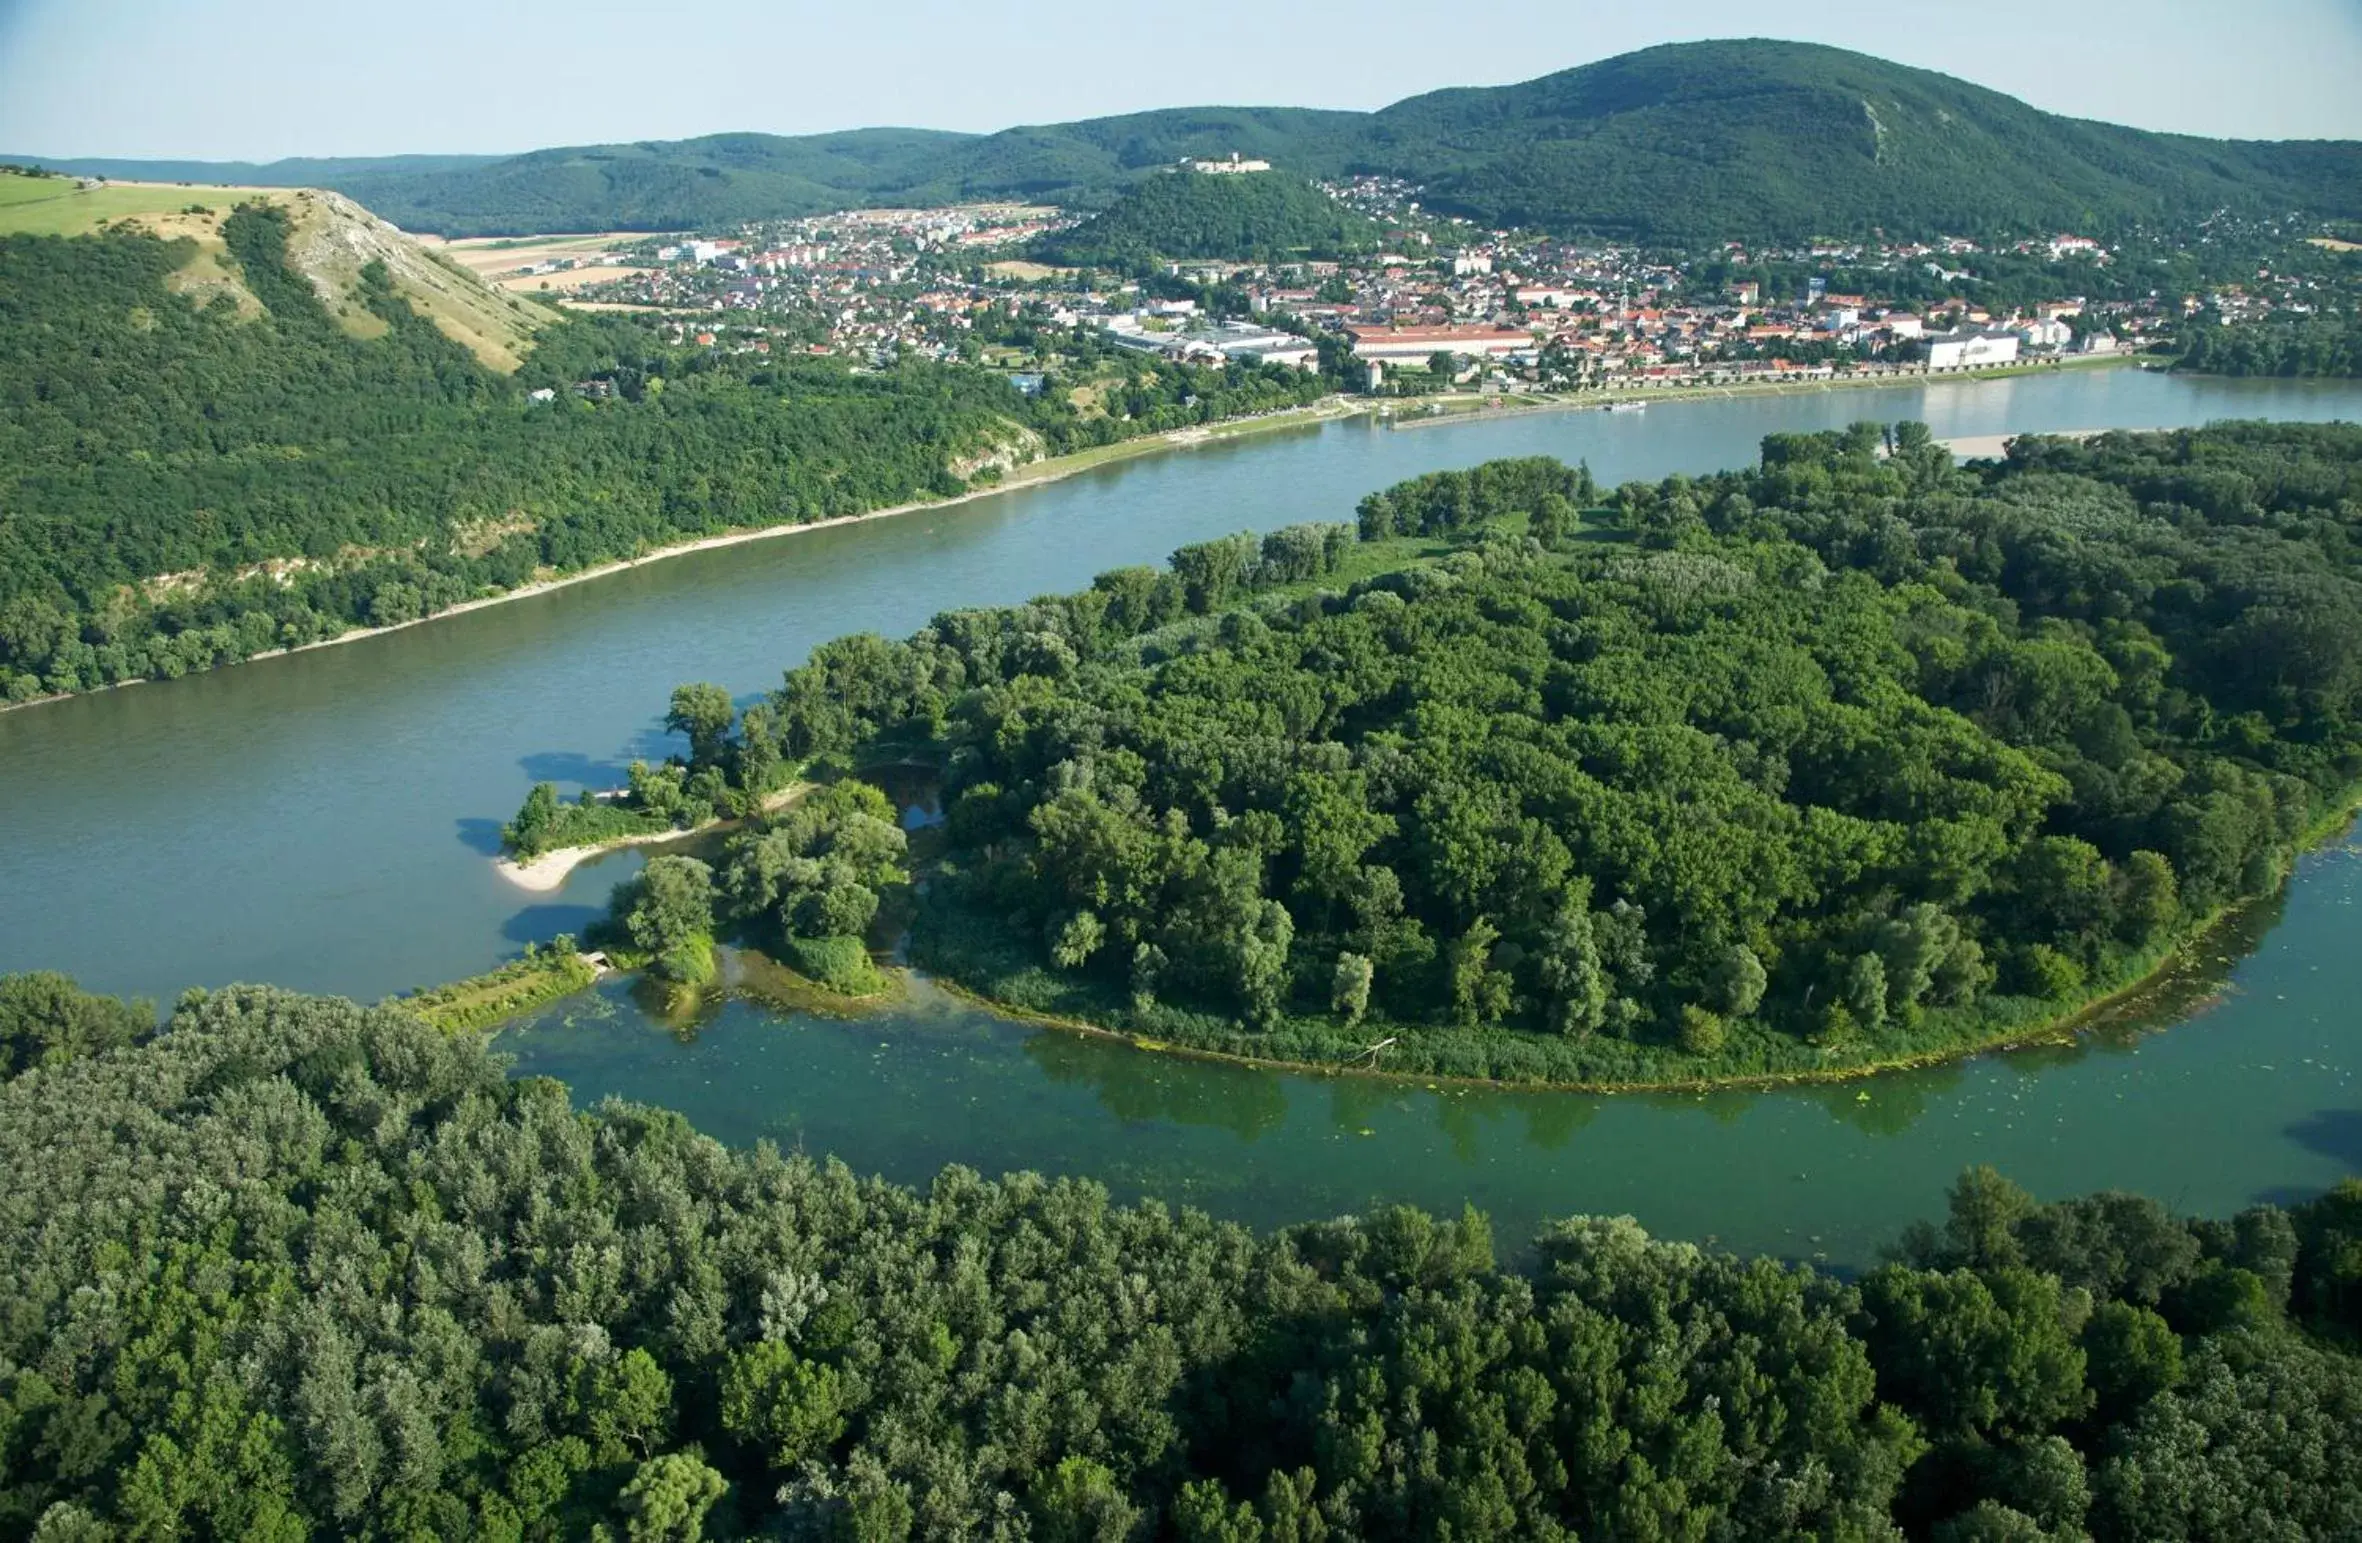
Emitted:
<point x="326" y="821"/>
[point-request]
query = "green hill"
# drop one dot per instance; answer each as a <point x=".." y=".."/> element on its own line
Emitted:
<point x="196" y="469"/>
<point x="235" y="419"/>
<point x="330" y="239"/>
<point x="1690" y="140"/>
<point x="719" y="180"/>
<point x="1194" y="214"/>
<point x="1701" y="140"/>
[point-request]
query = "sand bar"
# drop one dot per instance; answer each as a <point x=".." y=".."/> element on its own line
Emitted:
<point x="549" y="870"/>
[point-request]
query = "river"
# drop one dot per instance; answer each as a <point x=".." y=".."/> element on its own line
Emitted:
<point x="325" y="820"/>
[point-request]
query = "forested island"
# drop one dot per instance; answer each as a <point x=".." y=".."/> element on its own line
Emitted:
<point x="293" y="1268"/>
<point x="191" y="481"/>
<point x="1853" y="759"/>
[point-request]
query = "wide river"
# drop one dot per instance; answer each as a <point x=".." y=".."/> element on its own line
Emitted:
<point x="326" y="821"/>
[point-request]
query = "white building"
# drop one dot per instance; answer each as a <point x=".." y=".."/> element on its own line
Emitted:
<point x="1233" y="166"/>
<point x="1214" y="342"/>
<point x="1401" y="345"/>
<point x="1262" y="345"/>
<point x="1971" y="348"/>
<point x="2046" y="334"/>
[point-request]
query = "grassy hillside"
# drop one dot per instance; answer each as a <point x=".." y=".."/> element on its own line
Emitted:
<point x="63" y="206"/>
<point x="1684" y="141"/>
<point x="1188" y="214"/>
<point x="330" y="240"/>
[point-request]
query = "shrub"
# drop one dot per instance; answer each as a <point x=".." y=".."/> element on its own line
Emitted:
<point x="2043" y="971"/>
<point x="1701" y="1032"/>
<point x="839" y="963"/>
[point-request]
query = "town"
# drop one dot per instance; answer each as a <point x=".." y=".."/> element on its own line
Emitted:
<point x="1443" y="305"/>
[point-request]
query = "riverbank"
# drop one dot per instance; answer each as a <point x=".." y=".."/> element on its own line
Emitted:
<point x="548" y="870"/>
<point x="485" y="1001"/>
<point x="2149" y="978"/>
<point x="1033" y="474"/>
<point x="1462" y="410"/>
<point x="1057" y="468"/>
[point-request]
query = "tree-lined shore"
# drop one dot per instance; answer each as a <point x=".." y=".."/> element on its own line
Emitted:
<point x="1853" y="759"/>
<point x="190" y="485"/>
<point x="292" y="1268"/>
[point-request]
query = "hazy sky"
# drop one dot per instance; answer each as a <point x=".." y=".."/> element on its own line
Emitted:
<point x="260" y="79"/>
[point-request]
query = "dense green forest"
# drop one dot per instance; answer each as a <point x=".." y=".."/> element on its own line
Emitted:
<point x="1686" y="142"/>
<point x="292" y="1268"/>
<point x="181" y="486"/>
<point x="2285" y="345"/>
<point x="1710" y="141"/>
<point x="806" y="885"/>
<point x="1268" y="214"/>
<point x="1848" y="758"/>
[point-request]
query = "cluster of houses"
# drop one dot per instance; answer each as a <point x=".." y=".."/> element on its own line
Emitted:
<point x="1508" y="307"/>
<point x="1512" y="325"/>
<point x="864" y="283"/>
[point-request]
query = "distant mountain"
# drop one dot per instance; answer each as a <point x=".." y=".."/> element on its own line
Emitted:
<point x="1684" y="142"/>
<point x="296" y="172"/>
<point x="1231" y="214"/>
<point x="1701" y="140"/>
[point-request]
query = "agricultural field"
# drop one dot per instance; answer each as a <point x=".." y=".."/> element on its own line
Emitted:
<point x="567" y="280"/>
<point x="508" y="262"/>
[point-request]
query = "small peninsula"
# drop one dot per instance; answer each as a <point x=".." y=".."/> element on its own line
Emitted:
<point x="1856" y="759"/>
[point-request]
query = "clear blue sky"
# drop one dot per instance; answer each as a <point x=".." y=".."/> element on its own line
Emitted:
<point x="260" y="79"/>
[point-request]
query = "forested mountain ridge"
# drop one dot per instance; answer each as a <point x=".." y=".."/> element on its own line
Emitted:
<point x="297" y="1269"/>
<point x="1720" y="140"/>
<point x="1689" y="141"/>
<point x="1848" y="759"/>
<point x="191" y="474"/>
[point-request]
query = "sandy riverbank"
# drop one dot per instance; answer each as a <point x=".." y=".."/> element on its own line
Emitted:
<point x="1991" y="447"/>
<point x="1035" y="474"/>
<point x="548" y="871"/>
